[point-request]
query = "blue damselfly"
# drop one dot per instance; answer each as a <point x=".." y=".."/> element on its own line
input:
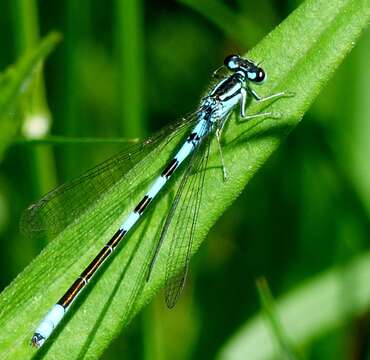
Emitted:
<point x="207" y="122"/>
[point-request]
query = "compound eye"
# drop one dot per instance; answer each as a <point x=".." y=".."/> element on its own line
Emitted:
<point x="260" y="76"/>
<point x="232" y="62"/>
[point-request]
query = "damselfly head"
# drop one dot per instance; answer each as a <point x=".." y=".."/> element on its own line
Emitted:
<point x="252" y="71"/>
<point x="232" y="62"/>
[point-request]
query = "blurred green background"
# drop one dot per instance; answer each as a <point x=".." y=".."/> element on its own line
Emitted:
<point x="127" y="68"/>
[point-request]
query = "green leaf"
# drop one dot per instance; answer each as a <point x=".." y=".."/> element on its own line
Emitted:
<point x="285" y="349"/>
<point x="319" y="305"/>
<point x="299" y="56"/>
<point x="14" y="83"/>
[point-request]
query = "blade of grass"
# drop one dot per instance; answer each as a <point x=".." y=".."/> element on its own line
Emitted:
<point x="129" y="43"/>
<point x="77" y="26"/>
<point x="43" y="176"/>
<point x="13" y="85"/>
<point x="300" y="55"/>
<point x="314" y="308"/>
<point x="286" y="350"/>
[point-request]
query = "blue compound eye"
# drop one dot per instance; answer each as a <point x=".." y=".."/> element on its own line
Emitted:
<point x="252" y="75"/>
<point x="260" y="76"/>
<point x="257" y="75"/>
<point x="232" y="62"/>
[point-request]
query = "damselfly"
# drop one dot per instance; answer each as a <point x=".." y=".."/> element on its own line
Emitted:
<point x="207" y="122"/>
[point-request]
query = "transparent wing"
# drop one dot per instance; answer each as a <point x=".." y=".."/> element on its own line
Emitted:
<point x="188" y="202"/>
<point x="182" y="220"/>
<point x="63" y="205"/>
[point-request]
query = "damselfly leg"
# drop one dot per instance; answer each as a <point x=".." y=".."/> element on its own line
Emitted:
<point x="218" y="134"/>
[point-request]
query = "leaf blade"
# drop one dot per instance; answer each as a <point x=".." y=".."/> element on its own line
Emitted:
<point x="317" y="297"/>
<point x="14" y="83"/>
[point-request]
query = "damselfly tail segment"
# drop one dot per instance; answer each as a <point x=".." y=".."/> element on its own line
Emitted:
<point x="214" y="110"/>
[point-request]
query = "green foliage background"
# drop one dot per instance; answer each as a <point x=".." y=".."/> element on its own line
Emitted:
<point x="127" y="68"/>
